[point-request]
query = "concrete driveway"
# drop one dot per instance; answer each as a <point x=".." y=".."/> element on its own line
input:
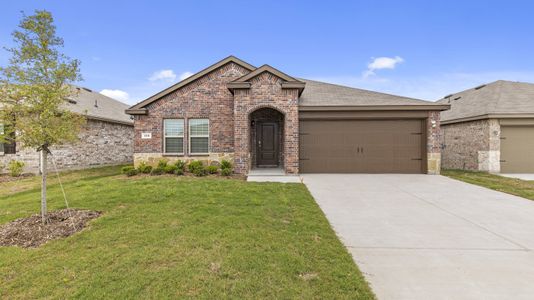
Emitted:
<point x="431" y="237"/>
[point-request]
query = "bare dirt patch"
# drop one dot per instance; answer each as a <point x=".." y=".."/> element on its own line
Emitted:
<point x="7" y="178"/>
<point x="30" y="232"/>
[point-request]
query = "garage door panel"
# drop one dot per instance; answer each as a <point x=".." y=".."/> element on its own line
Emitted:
<point x="517" y="149"/>
<point x="361" y="146"/>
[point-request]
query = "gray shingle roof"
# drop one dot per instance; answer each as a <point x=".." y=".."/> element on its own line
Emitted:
<point x="325" y="94"/>
<point x="98" y="106"/>
<point x="499" y="97"/>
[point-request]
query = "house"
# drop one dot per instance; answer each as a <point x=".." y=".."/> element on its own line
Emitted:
<point x="106" y="139"/>
<point x="490" y="128"/>
<point x="261" y="117"/>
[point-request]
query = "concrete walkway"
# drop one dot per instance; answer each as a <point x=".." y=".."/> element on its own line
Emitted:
<point x="519" y="176"/>
<point x="431" y="237"/>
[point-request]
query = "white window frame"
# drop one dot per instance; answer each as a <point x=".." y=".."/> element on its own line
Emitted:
<point x="173" y="136"/>
<point x="191" y="136"/>
<point x="2" y="146"/>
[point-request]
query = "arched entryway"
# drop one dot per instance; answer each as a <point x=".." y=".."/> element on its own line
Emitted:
<point x="266" y="138"/>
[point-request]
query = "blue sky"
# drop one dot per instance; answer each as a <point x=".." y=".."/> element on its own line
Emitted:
<point x="423" y="49"/>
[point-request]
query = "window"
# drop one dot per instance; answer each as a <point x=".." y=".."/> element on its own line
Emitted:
<point x="199" y="136"/>
<point x="1" y="134"/>
<point x="173" y="141"/>
<point x="9" y="146"/>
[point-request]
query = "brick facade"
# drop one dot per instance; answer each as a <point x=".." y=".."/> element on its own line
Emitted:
<point x="433" y="147"/>
<point x="100" y="144"/>
<point x="472" y="145"/>
<point x="229" y="115"/>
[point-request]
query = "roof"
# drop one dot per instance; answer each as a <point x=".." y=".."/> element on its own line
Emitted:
<point x="97" y="106"/>
<point x="243" y="82"/>
<point x="500" y="98"/>
<point x="321" y="94"/>
<point x="139" y="108"/>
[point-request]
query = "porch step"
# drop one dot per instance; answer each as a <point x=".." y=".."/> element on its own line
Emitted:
<point x="271" y="175"/>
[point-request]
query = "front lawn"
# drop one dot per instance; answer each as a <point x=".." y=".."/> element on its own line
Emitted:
<point x="518" y="187"/>
<point x="175" y="237"/>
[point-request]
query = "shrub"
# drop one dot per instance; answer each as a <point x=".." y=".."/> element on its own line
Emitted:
<point x="15" y="168"/>
<point x="179" y="172"/>
<point x="144" y="168"/>
<point x="2" y="168"/>
<point x="226" y="164"/>
<point x="195" y="165"/>
<point x="169" y="169"/>
<point x="157" y="171"/>
<point x="180" y="164"/>
<point x="200" y="172"/>
<point x="126" y="169"/>
<point x="131" y="172"/>
<point x="226" y="172"/>
<point x="212" y="169"/>
<point x="162" y="163"/>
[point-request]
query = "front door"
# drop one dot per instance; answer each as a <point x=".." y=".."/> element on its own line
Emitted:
<point x="267" y="144"/>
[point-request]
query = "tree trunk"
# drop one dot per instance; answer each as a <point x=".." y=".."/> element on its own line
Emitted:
<point x="43" y="185"/>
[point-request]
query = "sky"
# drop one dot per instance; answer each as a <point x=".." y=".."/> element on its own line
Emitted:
<point x="131" y="50"/>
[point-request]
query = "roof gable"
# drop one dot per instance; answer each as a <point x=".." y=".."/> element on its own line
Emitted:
<point x="139" y="108"/>
<point x="288" y="81"/>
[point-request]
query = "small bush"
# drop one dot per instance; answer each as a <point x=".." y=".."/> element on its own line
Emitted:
<point x="195" y="165"/>
<point x="179" y="172"/>
<point x="226" y="164"/>
<point x="180" y="164"/>
<point x="126" y="169"/>
<point x="212" y="169"/>
<point x="200" y="172"/>
<point x="169" y="169"/>
<point x="15" y="168"/>
<point x="157" y="171"/>
<point x="162" y="163"/>
<point x="2" y="168"/>
<point x="131" y="172"/>
<point x="144" y="168"/>
<point x="226" y="172"/>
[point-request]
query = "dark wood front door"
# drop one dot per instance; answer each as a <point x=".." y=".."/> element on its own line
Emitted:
<point x="267" y="144"/>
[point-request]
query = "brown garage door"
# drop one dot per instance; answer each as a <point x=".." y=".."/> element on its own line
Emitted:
<point x="361" y="146"/>
<point x="517" y="149"/>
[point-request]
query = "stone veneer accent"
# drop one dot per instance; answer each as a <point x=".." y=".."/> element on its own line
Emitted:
<point x="472" y="145"/>
<point x="266" y="91"/>
<point x="433" y="143"/>
<point x="101" y="143"/>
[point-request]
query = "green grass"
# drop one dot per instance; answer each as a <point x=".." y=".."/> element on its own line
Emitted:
<point x="182" y="237"/>
<point x="518" y="187"/>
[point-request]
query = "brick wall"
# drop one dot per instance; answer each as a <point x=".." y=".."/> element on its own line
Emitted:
<point x="100" y="144"/>
<point x="433" y="143"/>
<point x="266" y="91"/>
<point x="472" y="145"/>
<point x="208" y="97"/>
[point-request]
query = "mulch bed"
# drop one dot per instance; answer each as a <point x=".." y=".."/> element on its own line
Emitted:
<point x="30" y="232"/>
<point x="7" y="178"/>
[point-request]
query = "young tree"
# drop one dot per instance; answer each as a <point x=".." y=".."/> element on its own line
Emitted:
<point x="34" y="88"/>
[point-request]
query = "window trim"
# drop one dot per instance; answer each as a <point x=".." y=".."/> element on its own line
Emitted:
<point x="2" y="149"/>
<point x="191" y="136"/>
<point x="165" y="137"/>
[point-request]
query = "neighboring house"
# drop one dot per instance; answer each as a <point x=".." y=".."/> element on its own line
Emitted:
<point x="262" y="117"/>
<point x="106" y="138"/>
<point x="490" y="128"/>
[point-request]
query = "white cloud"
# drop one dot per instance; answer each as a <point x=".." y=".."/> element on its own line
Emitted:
<point x="165" y="75"/>
<point x="116" y="94"/>
<point x="184" y="75"/>
<point x="380" y="63"/>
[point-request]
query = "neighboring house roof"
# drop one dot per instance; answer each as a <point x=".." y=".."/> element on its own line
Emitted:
<point x="499" y="99"/>
<point x="97" y="106"/>
<point x="320" y="94"/>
